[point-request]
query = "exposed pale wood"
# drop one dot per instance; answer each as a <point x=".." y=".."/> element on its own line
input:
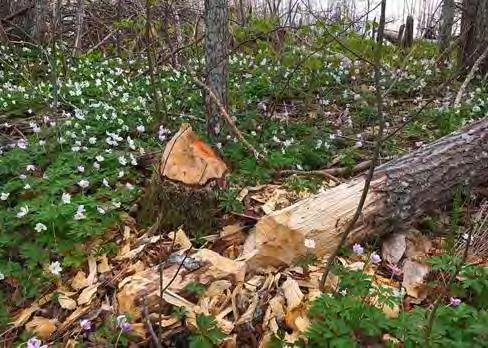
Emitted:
<point x="401" y="191"/>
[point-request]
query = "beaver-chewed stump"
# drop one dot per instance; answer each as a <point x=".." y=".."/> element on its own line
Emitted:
<point x="182" y="191"/>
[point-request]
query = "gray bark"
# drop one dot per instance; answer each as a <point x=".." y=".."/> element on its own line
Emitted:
<point x="447" y="20"/>
<point x="216" y="59"/>
<point x="407" y="37"/>
<point x="79" y="27"/>
<point x="474" y="33"/>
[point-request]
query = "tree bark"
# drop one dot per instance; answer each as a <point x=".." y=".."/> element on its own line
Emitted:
<point x="216" y="58"/>
<point x="447" y="20"/>
<point x="79" y="27"/>
<point x="401" y="191"/>
<point x="474" y="33"/>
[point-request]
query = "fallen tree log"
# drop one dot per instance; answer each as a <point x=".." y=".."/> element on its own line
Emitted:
<point x="401" y="191"/>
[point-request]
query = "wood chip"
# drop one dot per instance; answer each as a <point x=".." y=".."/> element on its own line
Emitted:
<point x="103" y="265"/>
<point x="87" y="294"/>
<point x="292" y="292"/>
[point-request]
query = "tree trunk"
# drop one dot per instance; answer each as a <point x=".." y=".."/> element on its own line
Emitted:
<point x="216" y="58"/>
<point x="407" y="37"/>
<point x="474" y="32"/>
<point x="40" y="21"/>
<point x="79" y="27"/>
<point x="401" y="191"/>
<point x="447" y="20"/>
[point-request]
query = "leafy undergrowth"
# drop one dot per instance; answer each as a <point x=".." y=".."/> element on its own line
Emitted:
<point x="68" y="175"/>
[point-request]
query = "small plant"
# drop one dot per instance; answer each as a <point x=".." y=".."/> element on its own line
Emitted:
<point x="207" y="334"/>
<point x="195" y="289"/>
<point x="228" y="201"/>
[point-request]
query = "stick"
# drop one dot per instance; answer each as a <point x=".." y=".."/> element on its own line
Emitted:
<point x="226" y="116"/>
<point x="470" y="76"/>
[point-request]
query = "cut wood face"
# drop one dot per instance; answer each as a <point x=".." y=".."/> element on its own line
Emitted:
<point x="188" y="159"/>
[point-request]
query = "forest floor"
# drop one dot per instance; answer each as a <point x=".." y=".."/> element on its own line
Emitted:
<point x="76" y="260"/>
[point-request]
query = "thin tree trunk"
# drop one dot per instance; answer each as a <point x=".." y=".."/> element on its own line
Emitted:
<point x="80" y="14"/>
<point x="474" y="33"/>
<point x="401" y="192"/>
<point x="447" y="21"/>
<point x="216" y="59"/>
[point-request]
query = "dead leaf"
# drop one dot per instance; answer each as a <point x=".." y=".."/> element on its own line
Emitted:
<point x="79" y="281"/>
<point x="413" y="278"/>
<point x="393" y="248"/>
<point x="66" y="302"/>
<point x="103" y="265"/>
<point x="292" y="292"/>
<point x="180" y="239"/>
<point x="42" y="327"/>
<point x="87" y="294"/>
<point x="188" y="159"/>
<point x="129" y="254"/>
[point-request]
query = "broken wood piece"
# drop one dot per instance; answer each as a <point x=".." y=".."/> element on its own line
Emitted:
<point x="401" y="191"/>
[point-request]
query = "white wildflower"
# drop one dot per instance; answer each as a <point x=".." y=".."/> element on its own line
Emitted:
<point x="4" y="196"/>
<point x="66" y="198"/>
<point x="23" y="211"/>
<point x="40" y="227"/>
<point x="55" y="268"/>
<point x="83" y="183"/>
<point x="122" y="160"/>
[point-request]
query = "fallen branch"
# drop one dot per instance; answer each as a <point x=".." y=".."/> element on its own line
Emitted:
<point x="330" y="173"/>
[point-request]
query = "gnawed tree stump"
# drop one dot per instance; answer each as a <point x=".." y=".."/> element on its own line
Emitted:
<point x="182" y="190"/>
<point x="401" y="191"/>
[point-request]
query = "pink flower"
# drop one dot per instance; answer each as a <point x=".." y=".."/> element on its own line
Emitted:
<point x="85" y="325"/>
<point x="395" y="270"/>
<point x="357" y="249"/>
<point x="34" y="342"/>
<point x="454" y="301"/>
<point x="375" y="258"/>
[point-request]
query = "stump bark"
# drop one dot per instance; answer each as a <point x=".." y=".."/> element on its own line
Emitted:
<point x="401" y="191"/>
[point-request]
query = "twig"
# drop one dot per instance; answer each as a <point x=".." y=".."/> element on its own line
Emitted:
<point x="150" y="328"/>
<point x="322" y="173"/>
<point x="376" y="154"/>
<point x="470" y="76"/>
<point x="330" y="173"/>
<point x="226" y="116"/>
